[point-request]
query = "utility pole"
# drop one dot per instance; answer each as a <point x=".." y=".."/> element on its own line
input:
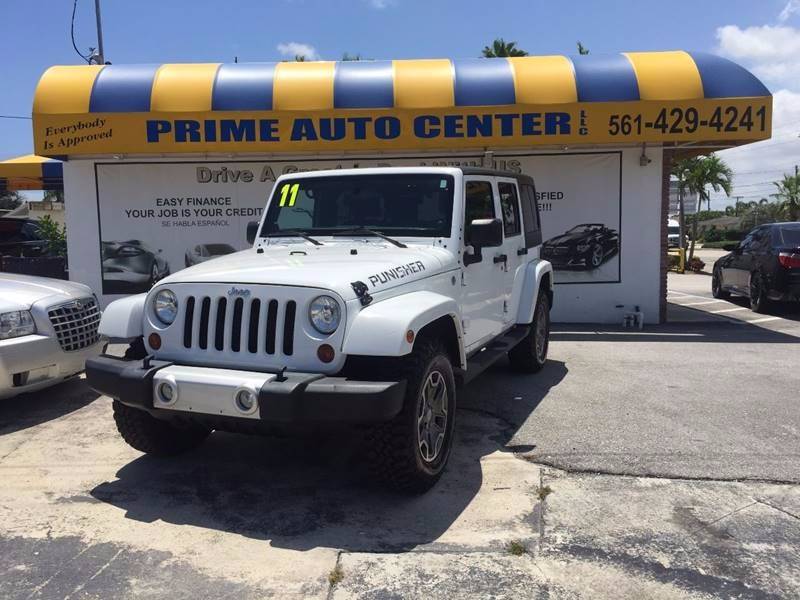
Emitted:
<point x="99" y="57"/>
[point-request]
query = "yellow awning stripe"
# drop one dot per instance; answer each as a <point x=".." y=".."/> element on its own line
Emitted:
<point x="183" y="88"/>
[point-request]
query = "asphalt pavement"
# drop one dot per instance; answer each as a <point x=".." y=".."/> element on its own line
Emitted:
<point x="661" y="463"/>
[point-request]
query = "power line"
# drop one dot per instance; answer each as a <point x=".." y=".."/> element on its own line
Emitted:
<point x="72" y="32"/>
<point x="14" y="117"/>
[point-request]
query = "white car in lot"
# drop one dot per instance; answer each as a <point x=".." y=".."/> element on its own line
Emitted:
<point x="48" y="328"/>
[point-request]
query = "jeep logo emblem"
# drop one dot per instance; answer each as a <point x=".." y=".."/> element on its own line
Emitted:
<point x="234" y="291"/>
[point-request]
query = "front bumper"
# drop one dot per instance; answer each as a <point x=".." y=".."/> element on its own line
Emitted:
<point x="296" y="398"/>
<point x="38" y="361"/>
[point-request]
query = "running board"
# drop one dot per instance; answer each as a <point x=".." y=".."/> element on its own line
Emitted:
<point x="486" y="357"/>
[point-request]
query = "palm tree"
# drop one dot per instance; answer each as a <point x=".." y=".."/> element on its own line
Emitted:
<point x="502" y="48"/>
<point x="582" y="50"/>
<point x="789" y="195"/>
<point x="682" y="169"/>
<point x="708" y="171"/>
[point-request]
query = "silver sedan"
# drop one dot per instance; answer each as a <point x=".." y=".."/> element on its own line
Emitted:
<point x="48" y="328"/>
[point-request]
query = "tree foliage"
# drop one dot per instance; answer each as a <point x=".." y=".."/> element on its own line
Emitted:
<point x="501" y="48"/>
<point x="54" y="234"/>
<point x="788" y="196"/>
<point x="698" y="174"/>
<point x="582" y="50"/>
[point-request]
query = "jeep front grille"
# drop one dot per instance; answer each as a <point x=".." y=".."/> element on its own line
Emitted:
<point x="239" y="324"/>
<point x="76" y="323"/>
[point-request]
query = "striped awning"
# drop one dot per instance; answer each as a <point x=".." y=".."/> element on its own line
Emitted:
<point x="31" y="172"/>
<point x="76" y="107"/>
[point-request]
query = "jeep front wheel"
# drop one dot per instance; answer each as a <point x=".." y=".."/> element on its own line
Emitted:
<point x="530" y="355"/>
<point x="409" y="453"/>
<point x="153" y="436"/>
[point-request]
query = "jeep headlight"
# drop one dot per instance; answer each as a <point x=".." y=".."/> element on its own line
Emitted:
<point x="324" y="314"/>
<point x="16" y="324"/>
<point x="165" y="305"/>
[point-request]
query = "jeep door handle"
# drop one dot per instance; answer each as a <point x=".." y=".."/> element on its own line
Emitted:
<point x="500" y="258"/>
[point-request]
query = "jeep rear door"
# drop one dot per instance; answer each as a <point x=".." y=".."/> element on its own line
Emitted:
<point x="483" y="281"/>
<point x="512" y="251"/>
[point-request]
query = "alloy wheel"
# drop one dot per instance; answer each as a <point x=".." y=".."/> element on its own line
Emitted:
<point x="597" y="256"/>
<point x="432" y="416"/>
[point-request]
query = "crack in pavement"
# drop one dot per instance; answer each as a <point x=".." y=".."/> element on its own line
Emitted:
<point x="645" y="475"/>
<point x="778" y="508"/>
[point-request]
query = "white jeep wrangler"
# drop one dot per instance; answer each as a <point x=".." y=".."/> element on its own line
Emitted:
<point x="368" y="295"/>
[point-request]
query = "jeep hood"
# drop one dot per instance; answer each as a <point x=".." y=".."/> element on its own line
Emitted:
<point x="332" y="266"/>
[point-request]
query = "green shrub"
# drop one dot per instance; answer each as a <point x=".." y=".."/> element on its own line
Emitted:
<point x="695" y="265"/>
<point x="54" y="234"/>
<point x="673" y="262"/>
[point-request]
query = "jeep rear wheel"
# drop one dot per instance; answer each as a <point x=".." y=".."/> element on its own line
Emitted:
<point x="153" y="436"/>
<point x="530" y="355"/>
<point x="409" y="453"/>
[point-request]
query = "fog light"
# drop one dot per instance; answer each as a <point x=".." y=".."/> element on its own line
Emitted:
<point x="167" y="393"/>
<point x="154" y="341"/>
<point x="246" y="401"/>
<point x="325" y="353"/>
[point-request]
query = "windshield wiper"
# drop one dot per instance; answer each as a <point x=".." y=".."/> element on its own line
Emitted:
<point x="366" y="230"/>
<point x="293" y="233"/>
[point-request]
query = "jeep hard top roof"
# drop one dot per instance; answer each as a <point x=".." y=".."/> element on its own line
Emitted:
<point x="410" y="169"/>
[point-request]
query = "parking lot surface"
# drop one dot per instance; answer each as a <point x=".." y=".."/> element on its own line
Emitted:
<point x="661" y="464"/>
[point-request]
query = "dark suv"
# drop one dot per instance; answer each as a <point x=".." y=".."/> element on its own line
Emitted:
<point x="764" y="266"/>
<point x="21" y="237"/>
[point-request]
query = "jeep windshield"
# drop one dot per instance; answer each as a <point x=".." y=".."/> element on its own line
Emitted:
<point x="411" y="205"/>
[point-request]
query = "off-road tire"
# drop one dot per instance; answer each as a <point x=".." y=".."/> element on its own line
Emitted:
<point x="716" y="287"/>
<point x="759" y="301"/>
<point x="527" y="357"/>
<point x="393" y="448"/>
<point x="153" y="436"/>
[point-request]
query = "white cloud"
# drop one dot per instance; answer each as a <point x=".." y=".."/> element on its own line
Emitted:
<point x="292" y="49"/>
<point x="772" y="52"/>
<point x="380" y="4"/>
<point x="756" y="166"/>
<point x="792" y="7"/>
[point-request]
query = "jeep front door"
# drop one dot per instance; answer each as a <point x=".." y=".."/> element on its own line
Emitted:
<point x="482" y="279"/>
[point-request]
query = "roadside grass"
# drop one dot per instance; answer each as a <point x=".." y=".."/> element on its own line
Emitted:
<point x="543" y="492"/>
<point x="516" y="548"/>
<point x="336" y="575"/>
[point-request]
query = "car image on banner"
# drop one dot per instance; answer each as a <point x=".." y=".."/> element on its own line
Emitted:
<point x="131" y="267"/>
<point x="203" y="252"/>
<point x="586" y="246"/>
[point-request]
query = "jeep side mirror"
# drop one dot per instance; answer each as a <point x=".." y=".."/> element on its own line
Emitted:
<point x="486" y="233"/>
<point x="252" y="231"/>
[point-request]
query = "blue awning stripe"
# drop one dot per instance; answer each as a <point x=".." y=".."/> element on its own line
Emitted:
<point x="483" y="82"/>
<point x="123" y="88"/>
<point x="605" y="78"/>
<point x="243" y="86"/>
<point x="52" y="169"/>
<point x="723" y="78"/>
<point x="363" y="84"/>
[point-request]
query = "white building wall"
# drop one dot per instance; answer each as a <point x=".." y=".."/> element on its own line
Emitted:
<point x="588" y="303"/>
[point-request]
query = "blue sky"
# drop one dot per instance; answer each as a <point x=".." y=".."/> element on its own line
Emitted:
<point x="763" y="36"/>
